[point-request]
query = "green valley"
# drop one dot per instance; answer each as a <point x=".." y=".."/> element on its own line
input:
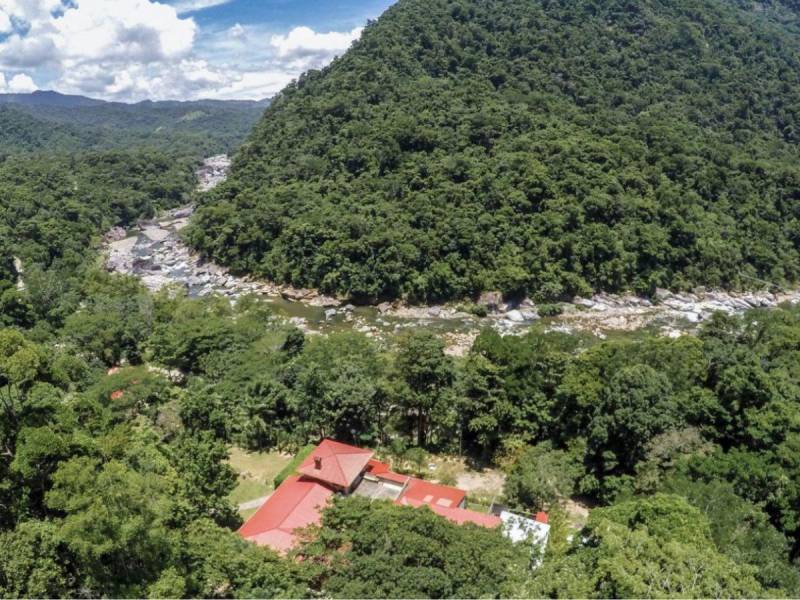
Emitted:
<point x="603" y="195"/>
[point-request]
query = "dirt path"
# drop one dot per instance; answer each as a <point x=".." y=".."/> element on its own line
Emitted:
<point x="489" y="481"/>
<point x="250" y="504"/>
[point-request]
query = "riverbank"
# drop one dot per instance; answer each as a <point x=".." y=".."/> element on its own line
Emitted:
<point x="155" y="253"/>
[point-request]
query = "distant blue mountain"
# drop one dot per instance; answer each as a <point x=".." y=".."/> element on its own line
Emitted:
<point x="49" y="98"/>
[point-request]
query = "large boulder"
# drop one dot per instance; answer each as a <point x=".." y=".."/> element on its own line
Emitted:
<point x="491" y="300"/>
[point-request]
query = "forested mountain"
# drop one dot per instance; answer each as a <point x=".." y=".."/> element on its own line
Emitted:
<point x="543" y="147"/>
<point x="52" y="122"/>
<point x="49" y="98"/>
<point x="537" y="146"/>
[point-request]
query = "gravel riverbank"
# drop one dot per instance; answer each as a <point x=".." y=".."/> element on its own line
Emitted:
<point x="155" y="253"/>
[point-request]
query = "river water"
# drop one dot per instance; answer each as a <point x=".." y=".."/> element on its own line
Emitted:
<point x="155" y="253"/>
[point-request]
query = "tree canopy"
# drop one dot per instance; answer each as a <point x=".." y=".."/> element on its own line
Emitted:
<point x="536" y="147"/>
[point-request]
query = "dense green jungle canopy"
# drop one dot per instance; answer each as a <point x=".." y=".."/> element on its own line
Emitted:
<point x="538" y="147"/>
<point x="118" y="485"/>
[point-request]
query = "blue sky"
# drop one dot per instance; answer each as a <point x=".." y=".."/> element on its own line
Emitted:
<point x="282" y="15"/>
<point x="130" y="50"/>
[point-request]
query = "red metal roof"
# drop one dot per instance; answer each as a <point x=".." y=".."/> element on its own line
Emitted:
<point x="376" y="467"/>
<point x="434" y="494"/>
<point x="394" y="477"/>
<point x="335" y="463"/>
<point x="456" y="515"/>
<point x="541" y="517"/>
<point x="296" y="503"/>
<point x="383" y="471"/>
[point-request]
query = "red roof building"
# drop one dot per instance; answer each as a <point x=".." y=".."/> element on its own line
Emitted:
<point x="334" y="468"/>
<point x="376" y="467"/>
<point x="457" y="515"/>
<point x="297" y="503"/>
<point x="336" y="464"/>
<point x="434" y="494"/>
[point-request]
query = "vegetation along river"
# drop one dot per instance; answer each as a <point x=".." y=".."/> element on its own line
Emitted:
<point x="155" y="252"/>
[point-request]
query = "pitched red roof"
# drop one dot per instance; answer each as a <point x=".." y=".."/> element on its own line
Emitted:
<point x="434" y="494"/>
<point x="394" y="477"/>
<point x="376" y="467"/>
<point x="335" y="463"/>
<point x="457" y="515"/>
<point x="383" y="471"/>
<point x="296" y="503"/>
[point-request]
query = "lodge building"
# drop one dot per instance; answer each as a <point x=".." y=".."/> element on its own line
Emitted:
<point x="335" y="468"/>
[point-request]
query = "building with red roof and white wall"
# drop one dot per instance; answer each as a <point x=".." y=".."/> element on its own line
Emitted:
<point x="335" y="468"/>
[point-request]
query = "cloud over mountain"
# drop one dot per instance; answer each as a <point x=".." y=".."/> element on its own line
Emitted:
<point x="135" y="49"/>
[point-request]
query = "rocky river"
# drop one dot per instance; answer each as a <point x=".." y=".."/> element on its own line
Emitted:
<point x="154" y="252"/>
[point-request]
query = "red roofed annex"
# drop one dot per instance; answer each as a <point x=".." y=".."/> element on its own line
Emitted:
<point x="336" y="468"/>
<point x="297" y="503"/>
<point x="336" y="464"/>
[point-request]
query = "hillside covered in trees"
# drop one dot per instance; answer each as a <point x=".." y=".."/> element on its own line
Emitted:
<point x="72" y="167"/>
<point x="537" y="146"/>
<point x="542" y="147"/>
<point x="49" y="122"/>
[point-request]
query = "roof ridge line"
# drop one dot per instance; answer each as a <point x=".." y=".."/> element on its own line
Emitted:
<point x="303" y="497"/>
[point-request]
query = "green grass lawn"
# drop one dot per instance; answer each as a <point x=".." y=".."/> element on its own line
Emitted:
<point x="256" y="471"/>
<point x="246" y="514"/>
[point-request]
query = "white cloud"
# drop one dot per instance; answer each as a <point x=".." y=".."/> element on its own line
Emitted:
<point x="237" y="31"/>
<point x="21" y="84"/>
<point x="186" y="6"/>
<point x="18" y="84"/>
<point x="30" y="10"/>
<point x="137" y="49"/>
<point x="255" y="85"/>
<point x="5" y="22"/>
<point x="133" y="30"/>
<point x="303" y="43"/>
<point x="95" y="30"/>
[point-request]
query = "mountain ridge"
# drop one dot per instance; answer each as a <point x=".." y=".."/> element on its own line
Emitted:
<point x="47" y="121"/>
<point x="548" y="148"/>
<point x="54" y="98"/>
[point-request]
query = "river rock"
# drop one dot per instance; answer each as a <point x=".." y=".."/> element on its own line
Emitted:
<point x="20" y="271"/>
<point x="330" y="313"/>
<point x="693" y="317"/>
<point x="114" y="234"/>
<point x="662" y="294"/>
<point x="155" y="282"/>
<point x="182" y="213"/>
<point x="124" y="246"/>
<point x="491" y="300"/>
<point x="213" y="172"/>
<point x="515" y="316"/>
<point x="296" y="295"/>
<point x="156" y="234"/>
